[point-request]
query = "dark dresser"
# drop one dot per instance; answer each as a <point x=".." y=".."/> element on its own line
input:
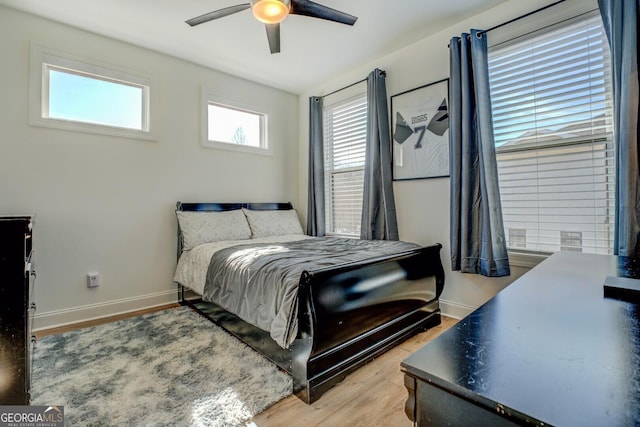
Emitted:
<point x="16" y="308"/>
<point x="549" y="350"/>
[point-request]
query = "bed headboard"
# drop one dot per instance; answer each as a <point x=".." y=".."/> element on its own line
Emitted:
<point x="218" y="207"/>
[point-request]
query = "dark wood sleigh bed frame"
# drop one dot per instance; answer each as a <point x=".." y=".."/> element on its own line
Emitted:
<point x="347" y="315"/>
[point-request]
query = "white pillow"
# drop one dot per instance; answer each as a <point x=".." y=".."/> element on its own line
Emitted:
<point x="273" y="222"/>
<point x="205" y="227"/>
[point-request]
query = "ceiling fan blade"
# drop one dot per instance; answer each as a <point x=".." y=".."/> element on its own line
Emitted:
<point x="216" y="14"/>
<point x="273" y="34"/>
<point x="315" y="10"/>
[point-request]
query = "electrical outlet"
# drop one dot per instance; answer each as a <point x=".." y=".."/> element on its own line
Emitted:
<point x="93" y="280"/>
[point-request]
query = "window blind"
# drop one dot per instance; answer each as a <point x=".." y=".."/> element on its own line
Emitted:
<point x="345" y="128"/>
<point x="551" y="99"/>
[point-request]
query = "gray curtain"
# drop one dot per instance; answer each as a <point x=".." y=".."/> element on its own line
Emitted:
<point x="315" y="206"/>
<point x="477" y="234"/>
<point x="620" y="19"/>
<point x="378" y="207"/>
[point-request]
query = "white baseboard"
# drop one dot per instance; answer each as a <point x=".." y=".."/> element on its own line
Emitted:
<point x="455" y="309"/>
<point x="57" y="318"/>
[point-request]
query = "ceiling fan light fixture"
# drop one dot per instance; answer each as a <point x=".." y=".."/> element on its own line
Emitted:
<point x="270" y="11"/>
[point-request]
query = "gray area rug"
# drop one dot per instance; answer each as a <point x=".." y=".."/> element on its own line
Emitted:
<point x="170" y="368"/>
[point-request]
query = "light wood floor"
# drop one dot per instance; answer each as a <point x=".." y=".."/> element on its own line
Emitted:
<point x="373" y="395"/>
<point x="59" y="330"/>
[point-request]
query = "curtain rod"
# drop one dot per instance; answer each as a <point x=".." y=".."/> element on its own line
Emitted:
<point x="526" y="15"/>
<point x="346" y="87"/>
<point x="383" y="72"/>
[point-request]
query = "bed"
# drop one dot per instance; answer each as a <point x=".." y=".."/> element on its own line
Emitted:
<point x="326" y="320"/>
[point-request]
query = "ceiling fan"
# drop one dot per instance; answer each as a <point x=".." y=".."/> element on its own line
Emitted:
<point x="272" y="12"/>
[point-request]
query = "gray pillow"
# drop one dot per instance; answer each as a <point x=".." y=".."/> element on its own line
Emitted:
<point x="206" y="227"/>
<point x="273" y="223"/>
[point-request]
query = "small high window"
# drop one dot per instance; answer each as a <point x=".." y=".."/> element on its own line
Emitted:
<point x="235" y="126"/>
<point x="89" y="98"/>
<point x="230" y="125"/>
<point x="75" y="94"/>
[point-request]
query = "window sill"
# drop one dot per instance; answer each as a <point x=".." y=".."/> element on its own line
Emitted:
<point x="96" y="129"/>
<point x="526" y="259"/>
<point x="344" y="236"/>
<point x="237" y="147"/>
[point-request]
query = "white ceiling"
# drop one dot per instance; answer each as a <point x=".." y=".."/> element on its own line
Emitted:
<point x="312" y="49"/>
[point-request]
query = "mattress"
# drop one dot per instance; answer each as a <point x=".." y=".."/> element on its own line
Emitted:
<point x="191" y="271"/>
<point x="258" y="280"/>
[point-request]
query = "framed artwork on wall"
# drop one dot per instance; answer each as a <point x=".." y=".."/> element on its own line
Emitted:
<point x="420" y="132"/>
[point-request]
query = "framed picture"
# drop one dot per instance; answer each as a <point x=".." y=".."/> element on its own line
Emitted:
<point x="420" y="132"/>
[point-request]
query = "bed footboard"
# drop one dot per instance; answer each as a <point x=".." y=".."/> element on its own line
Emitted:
<point x="349" y="315"/>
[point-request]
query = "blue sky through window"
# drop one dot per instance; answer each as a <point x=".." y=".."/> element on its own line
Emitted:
<point x="94" y="100"/>
<point x="549" y="84"/>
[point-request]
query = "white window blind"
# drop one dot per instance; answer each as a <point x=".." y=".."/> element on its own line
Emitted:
<point x="552" y="115"/>
<point x="345" y="127"/>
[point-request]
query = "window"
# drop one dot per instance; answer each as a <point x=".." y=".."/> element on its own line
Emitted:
<point x="345" y="131"/>
<point x="517" y="238"/>
<point x="75" y="94"/>
<point x="571" y="241"/>
<point x="233" y="126"/>
<point x="89" y="98"/>
<point x="552" y="113"/>
<point x="230" y="125"/>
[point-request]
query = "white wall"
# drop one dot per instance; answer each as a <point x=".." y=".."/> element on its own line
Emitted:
<point x="106" y="203"/>
<point x="423" y="205"/>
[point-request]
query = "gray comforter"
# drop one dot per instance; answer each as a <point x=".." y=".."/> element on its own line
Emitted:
<point x="258" y="282"/>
